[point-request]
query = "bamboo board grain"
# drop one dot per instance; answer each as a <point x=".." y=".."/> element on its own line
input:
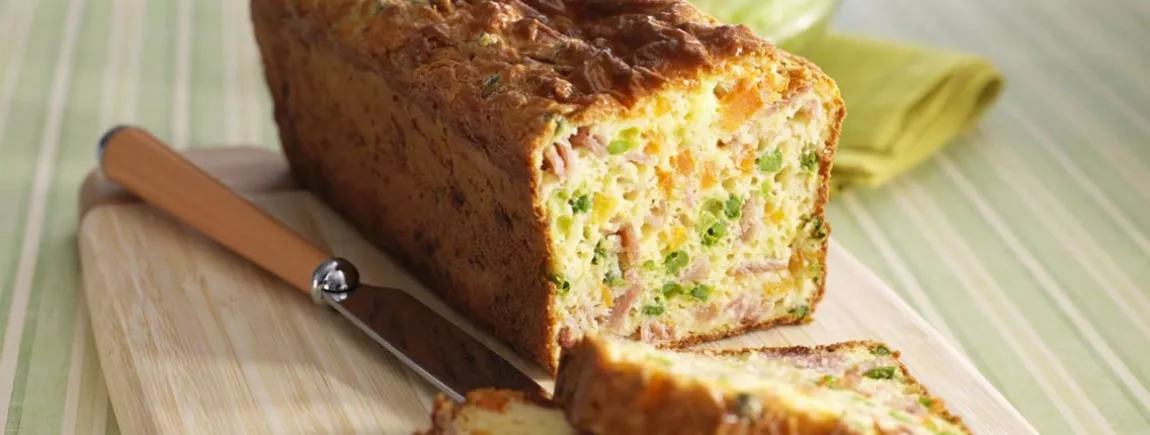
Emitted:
<point x="192" y="339"/>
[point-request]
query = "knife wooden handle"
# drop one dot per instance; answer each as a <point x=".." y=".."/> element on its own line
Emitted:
<point x="144" y="166"/>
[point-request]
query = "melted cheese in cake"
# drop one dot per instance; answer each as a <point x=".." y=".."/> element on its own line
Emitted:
<point x="693" y="216"/>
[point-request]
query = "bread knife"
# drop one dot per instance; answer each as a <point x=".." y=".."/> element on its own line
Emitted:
<point x="427" y="343"/>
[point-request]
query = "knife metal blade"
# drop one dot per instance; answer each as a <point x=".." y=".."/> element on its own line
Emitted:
<point x="432" y="346"/>
<point x="425" y="341"/>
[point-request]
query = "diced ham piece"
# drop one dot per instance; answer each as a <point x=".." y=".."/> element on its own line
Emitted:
<point x="752" y="217"/>
<point x="551" y="156"/>
<point x="813" y="108"/>
<point x="850" y="379"/>
<point x="584" y="139"/>
<point x="657" y="214"/>
<point x="567" y="156"/>
<point x="623" y="306"/>
<point x="655" y="332"/>
<point x="755" y="267"/>
<point x="698" y="270"/>
<point x="820" y="362"/>
<point x="707" y="312"/>
<point x="566" y="337"/>
<point x="745" y="309"/>
<point x="910" y="405"/>
<point x="629" y="239"/>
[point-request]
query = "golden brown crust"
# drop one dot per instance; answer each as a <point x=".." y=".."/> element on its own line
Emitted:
<point x="453" y="209"/>
<point x="607" y="397"/>
<point x="443" y="412"/>
<point x="575" y="53"/>
<point x="826" y="163"/>
<point x="422" y="123"/>
<point x="825" y="166"/>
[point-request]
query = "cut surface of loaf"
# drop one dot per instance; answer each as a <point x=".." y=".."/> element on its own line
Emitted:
<point x="610" y="386"/>
<point x="554" y="168"/>
<point x="497" y="412"/>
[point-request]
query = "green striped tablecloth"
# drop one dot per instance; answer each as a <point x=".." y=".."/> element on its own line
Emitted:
<point x="1026" y="241"/>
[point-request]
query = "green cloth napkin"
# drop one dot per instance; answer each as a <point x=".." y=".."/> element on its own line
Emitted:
<point x="904" y="102"/>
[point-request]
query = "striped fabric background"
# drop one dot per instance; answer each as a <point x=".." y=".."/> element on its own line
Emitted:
<point x="1026" y="241"/>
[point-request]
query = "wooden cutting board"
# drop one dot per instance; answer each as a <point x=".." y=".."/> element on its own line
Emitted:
<point x="193" y="339"/>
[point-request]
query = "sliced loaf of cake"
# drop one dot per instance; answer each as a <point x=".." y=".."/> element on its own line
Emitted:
<point x="560" y="167"/>
<point x="607" y="388"/>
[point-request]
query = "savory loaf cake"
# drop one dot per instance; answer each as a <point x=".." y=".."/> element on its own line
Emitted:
<point x="558" y="167"/>
<point x="612" y="386"/>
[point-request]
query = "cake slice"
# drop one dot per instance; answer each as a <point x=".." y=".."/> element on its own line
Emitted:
<point x="848" y="388"/>
<point x="609" y="386"/>
<point x="560" y="167"/>
<point x="497" y="412"/>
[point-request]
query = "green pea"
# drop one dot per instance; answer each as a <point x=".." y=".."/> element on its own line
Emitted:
<point x="770" y="162"/>
<point x="619" y="146"/>
<point x="810" y="161"/>
<point x="701" y="292"/>
<point x="489" y="84"/>
<point x="829" y="381"/>
<point x="733" y="207"/>
<point x="653" y="310"/>
<point x="599" y="254"/>
<point x="880" y="350"/>
<point x="672" y="289"/>
<point x="814" y="268"/>
<point x="818" y="227"/>
<point x="714" y="233"/>
<point x="800" y="311"/>
<point x="580" y="204"/>
<point x="561" y="284"/>
<point x="676" y="261"/>
<point x="613" y="279"/>
<point x="883" y="372"/>
<point x="649" y="265"/>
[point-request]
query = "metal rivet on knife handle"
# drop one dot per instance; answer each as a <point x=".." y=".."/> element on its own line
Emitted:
<point x="335" y="278"/>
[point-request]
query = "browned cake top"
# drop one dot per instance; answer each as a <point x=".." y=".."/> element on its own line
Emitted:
<point x="530" y="57"/>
